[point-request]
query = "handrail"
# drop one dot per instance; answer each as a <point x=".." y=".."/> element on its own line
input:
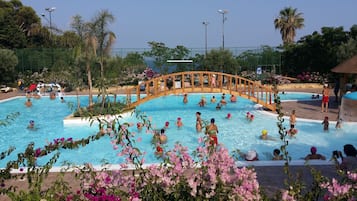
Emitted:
<point x="201" y="82"/>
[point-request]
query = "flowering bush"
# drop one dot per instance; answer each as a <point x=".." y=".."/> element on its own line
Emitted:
<point x="341" y="190"/>
<point x="314" y="77"/>
<point x="214" y="176"/>
<point x="149" y="73"/>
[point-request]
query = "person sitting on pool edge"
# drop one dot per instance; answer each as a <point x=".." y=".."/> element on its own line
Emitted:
<point x="28" y="103"/>
<point x="314" y="155"/>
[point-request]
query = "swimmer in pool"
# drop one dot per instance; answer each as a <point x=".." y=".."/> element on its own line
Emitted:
<point x="325" y="123"/>
<point x="233" y="98"/>
<point x="185" y="100"/>
<point x="166" y="125"/>
<point x="179" y="123"/>
<point x="31" y="125"/>
<point x="213" y="99"/>
<point x="198" y="122"/>
<point x="276" y="155"/>
<point x="219" y="106"/>
<point x="212" y="131"/>
<point x="229" y="116"/>
<point x="163" y="137"/>
<point x="28" y="103"/>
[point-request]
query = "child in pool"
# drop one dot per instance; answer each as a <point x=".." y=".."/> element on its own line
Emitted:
<point x="166" y="125"/>
<point x="229" y="116"/>
<point x="179" y="123"/>
<point x="325" y="123"/>
<point x="31" y="124"/>
<point x="185" y="100"/>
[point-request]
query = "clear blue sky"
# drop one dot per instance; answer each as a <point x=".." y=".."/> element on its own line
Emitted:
<point x="179" y="22"/>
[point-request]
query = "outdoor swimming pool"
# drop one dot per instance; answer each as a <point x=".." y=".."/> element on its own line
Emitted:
<point x="236" y="133"/>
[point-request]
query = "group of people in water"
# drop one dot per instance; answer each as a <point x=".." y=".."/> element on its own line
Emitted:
<point x="28" y="103"/>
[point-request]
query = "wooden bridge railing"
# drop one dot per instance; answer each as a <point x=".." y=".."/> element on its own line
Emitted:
<point x="201" y="82"/>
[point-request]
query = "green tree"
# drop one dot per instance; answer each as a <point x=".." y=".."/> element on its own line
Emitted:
<point x="85" y="52"/>
<point x="180" y="52"/>
<point x="160" y="53"/>
<point x="317" y="52"/>
<point x="221" y="61"/>
<point x="69" y="39"/>
<point x="104" y="39"/>
<point x="288" y="21"/>
<point x="16" y="22"/>
<point x="8" y="61"/>
<point x="347" y="50"/>
<point x="103" y="36"/>
<point x="134" y="63"/>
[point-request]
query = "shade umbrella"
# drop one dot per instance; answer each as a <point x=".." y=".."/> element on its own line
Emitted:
<point x="349" y="66"/>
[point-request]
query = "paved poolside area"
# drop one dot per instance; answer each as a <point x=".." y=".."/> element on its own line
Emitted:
<point x="271" y="178"/>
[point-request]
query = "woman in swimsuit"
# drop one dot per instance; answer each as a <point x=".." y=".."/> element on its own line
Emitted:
<point x="212" y="131"/>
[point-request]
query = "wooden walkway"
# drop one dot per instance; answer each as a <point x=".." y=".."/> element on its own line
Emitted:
<point x="201" y="82"/>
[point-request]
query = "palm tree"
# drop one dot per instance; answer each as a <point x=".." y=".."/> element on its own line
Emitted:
<point x="288" y="21"/>
<point x="105" y="38"/>
<point x="86" y="51"/>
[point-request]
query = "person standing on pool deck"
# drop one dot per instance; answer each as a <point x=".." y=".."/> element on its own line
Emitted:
<point x="292" y="119"/>
<point x="212" y="131"/>
<point x="325" y="98"/>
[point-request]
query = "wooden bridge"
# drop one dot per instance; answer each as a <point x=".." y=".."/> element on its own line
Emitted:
<point x="201" y="82"/>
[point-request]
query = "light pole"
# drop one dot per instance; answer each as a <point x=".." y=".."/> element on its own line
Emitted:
<point x="50" y="10"/>
<point x="205" y="23"/>
<point x="223" y="12"/>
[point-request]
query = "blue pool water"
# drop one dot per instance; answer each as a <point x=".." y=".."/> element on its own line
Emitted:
<point x="236" y="133"/>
